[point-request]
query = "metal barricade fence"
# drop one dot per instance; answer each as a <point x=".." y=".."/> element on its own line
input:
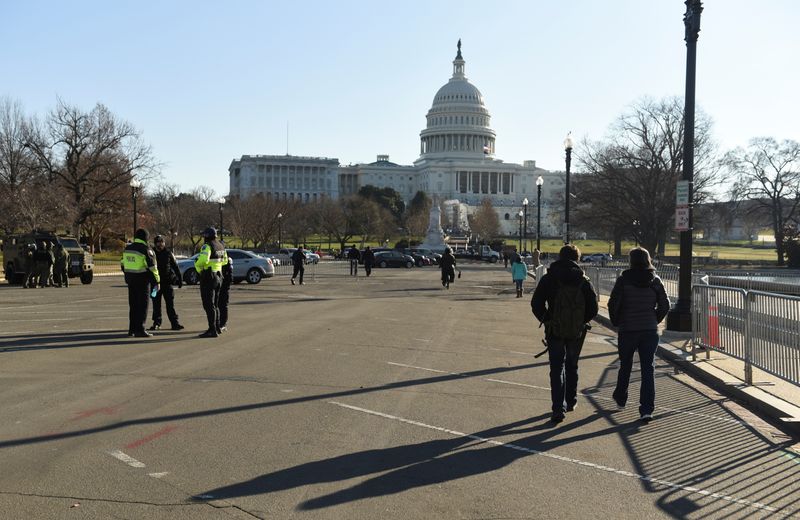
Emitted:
<point x="762" y="329"/>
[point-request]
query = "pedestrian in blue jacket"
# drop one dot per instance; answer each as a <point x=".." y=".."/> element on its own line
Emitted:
<point x="518" y="273"/>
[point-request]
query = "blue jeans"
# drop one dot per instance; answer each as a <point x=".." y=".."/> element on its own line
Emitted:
<point x="563" y="356"/>
<point x="519" y="284"/>
<point x="645" y="342"/>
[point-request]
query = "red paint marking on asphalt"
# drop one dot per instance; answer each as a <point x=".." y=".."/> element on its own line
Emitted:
<point x="152" y="436"/>
<point x="89" y="413"/>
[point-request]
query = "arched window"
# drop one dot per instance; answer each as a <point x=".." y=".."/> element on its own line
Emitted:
<point x="507" y="216"/>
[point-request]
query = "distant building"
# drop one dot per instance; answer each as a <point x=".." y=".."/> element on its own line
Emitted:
<point x="457" y="163"/>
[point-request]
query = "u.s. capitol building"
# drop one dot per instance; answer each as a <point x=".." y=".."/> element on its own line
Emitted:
<point x="457" y="164"/>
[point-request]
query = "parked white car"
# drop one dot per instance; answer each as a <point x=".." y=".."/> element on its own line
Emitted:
<point x="311" y="258"/>
<point x="247" y="266"/>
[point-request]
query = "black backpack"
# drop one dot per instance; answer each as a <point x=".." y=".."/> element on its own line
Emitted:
<point x="568" y="311"/>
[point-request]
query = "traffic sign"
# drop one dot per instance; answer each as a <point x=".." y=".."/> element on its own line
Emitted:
<point x="682" y="219"/>
<point x="682" y="193"/>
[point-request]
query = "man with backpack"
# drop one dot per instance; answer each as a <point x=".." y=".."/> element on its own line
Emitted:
<point x="565" y="302"/>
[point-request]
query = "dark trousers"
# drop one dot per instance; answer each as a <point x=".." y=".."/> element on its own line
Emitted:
<point x="448" y="275"/>
<point x="368" y="268"/>
<point x="60" y="276"/>
<point x="168" y="293"/>
<point x="209" y="292"/>
<point x="645" y="342"/>
<point x="224" y="297"/>
<point x="138" y="296"/>
<point x="298" y="269"/>
<point x="353" y="267"/>
<point x="563" y="356"/>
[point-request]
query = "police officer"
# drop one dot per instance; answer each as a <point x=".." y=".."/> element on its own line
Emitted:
<point x="139" y="265"/>
<point x="166" y="263"/>
<point x="40" y="258"/>
<point x="60" y="276"/>
<point x="30" y="266"/>
<point x="209" y="266"/>
<point x="224" y="291"/>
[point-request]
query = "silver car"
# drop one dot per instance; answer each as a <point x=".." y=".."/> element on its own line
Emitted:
<point x="246" y="266"/>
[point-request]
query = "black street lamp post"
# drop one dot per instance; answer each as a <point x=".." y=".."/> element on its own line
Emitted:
<point x="539" y="183"/>
<point x="525" y="220"/>
<point x="221" y="202"/>
<point x="134" y="189"/>
<point x="568" y="150"/>
<point x="680" y="316"/>
<point x="519" y="218"/>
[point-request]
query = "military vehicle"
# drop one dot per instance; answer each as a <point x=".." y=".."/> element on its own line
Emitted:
<point x="81" y="263"/>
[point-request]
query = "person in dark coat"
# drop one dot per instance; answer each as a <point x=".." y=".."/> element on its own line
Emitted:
<point x="298" y="264"/>
<point x="638" y="303"/>
<point x="166" y="263"/>
<point x="369" y="260"/>
<point x="354" y="257"/>
<point x="564" y="348"/>
<point x="448" y="266"/>
<point x="225" y="291"/>
<point x="30" y="267"/>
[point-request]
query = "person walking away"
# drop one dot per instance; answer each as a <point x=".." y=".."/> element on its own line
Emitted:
<point x="139" y="265"/>
<point x="225" y="291"/>
<point x="209" y="266"/>
<point x="369" y="260"/>
<point x="518" y="273"/>
<point x="565" y="301"/>
<point x="638" y="303"/>
<point x="536" y="259"/>
<point x="60" y="275"/>
<point x="298" y="264"/>
<point x="30" y="266"/>
<point x="448" y="267"/>
<point x="505" y="258"/>
<point x="167" y="265"/>
<point x="354" y="257"/>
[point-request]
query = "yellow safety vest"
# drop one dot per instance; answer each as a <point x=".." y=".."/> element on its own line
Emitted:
<point x="134" y="261"/>
<point x="204" y="260"/>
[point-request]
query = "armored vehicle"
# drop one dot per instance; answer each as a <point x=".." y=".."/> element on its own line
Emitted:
<point x="81" y="263"/>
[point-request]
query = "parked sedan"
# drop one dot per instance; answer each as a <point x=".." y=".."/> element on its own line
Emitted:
<point x="419" y="258"/>
<point x="393" y="259"/>
<point x="246" y="267"/>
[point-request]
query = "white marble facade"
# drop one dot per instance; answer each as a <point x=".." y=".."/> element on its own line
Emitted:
<point x="457" y="162"/>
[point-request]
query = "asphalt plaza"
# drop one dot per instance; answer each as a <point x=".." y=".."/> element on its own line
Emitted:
<point x="386" y="397"/>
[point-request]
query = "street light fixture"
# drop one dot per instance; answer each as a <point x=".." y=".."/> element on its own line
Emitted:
<point x="568" y="150"/>
<point x="525" y="220"/>
<point x="539" y="183"/>
<point x="519" y="217"/>
<point x="280" y="230"/>
<point x="679" y="317"/>
<point x="221" y="202"/>
<point x="135" y="184"/>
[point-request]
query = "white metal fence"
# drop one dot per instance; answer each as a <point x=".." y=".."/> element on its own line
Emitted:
<point x="760" y="328"/>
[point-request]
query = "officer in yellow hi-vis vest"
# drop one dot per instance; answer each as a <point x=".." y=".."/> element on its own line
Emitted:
<point x="209" y="266"/>
<point x="139" y="265"/>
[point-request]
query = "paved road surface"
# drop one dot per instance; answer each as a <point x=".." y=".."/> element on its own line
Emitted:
<point x="386" y="397"/>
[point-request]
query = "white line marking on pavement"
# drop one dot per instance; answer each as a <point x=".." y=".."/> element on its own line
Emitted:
<point x="287" y="390"/>
<point x="424" y="340"/>
<point x="582" y="394"/>
<point x="158" y="475"/>
<point x="569" y="460"/>
<point x="127" y="459"/>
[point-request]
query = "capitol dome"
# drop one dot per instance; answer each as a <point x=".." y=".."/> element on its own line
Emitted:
<point x="458" y="121"/>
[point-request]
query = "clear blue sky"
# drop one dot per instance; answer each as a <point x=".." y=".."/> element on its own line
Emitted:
<point x="207" y="82"/>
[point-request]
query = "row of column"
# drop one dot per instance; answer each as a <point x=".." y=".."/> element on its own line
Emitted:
<point x="485" y="182"/>
<point x="457" y="142"/>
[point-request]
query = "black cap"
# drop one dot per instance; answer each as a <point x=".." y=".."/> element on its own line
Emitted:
<point x="210" y="232"/>
<point x="141" y="234"/>
<point x="158" y="238"/>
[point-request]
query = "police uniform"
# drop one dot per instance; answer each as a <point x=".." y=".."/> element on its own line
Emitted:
<point x="209" y="266"/>
<point x="139" y="265"/>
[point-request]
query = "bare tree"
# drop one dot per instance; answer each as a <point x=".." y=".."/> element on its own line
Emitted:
<point x="768" y="173"/>
<point x="89" y="154"/>
<point x="629" y="179"/>
<point x="485" y="222"/>
<point x="339" y="218"/>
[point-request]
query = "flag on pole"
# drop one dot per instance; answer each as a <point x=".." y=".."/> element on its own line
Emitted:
<point x="485" y="149"/>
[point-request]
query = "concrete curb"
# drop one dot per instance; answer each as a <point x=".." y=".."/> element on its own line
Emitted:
<point x="782" y="414"/>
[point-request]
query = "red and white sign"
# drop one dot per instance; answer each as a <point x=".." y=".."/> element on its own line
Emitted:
<point x="682" y="218"/>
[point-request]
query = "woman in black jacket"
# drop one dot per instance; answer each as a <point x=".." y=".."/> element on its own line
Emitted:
<point x="638" y="303"/>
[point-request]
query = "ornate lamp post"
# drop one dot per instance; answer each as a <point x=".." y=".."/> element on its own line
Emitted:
<point x="680" y="316"/>
<point x="221" y="202"/>
<point x="135" y="184"/>
<point x="636" y="232"/>
<point x="280" y="230"/>
<point x="568" y="150"/>
<point x="519" y="218"/>
<point x="525" y="220"/>
<point x="539" y="183"/>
